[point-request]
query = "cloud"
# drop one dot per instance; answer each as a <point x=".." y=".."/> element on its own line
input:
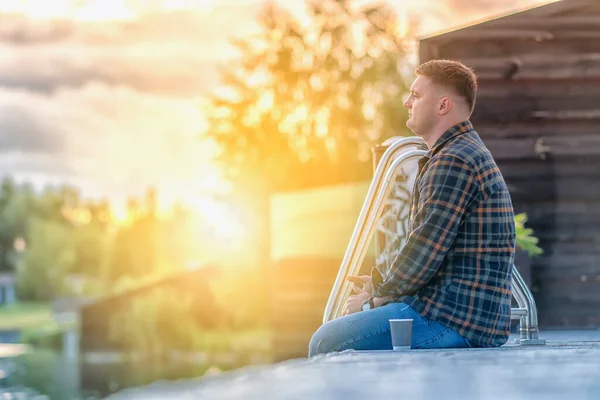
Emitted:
<point x="115" y="141"/>
<point x="113" y="107"/>
<point x="170" y="72"/>
<point x="19" y="30"/>
<point x="172" y="53"/>
<point x="23" y="132"/>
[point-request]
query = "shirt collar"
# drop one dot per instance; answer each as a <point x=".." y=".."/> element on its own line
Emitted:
<point x="458" y="129"/>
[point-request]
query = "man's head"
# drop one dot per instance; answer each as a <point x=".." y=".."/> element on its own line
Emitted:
<point x="442" y="95"/>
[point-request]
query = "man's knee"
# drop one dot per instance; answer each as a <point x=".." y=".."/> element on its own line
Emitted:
<point x="322" y="341"/>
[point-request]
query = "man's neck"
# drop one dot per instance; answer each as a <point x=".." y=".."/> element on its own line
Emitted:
<point x="440" y="129"/>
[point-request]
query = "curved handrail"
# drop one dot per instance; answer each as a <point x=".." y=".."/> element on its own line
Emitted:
<point x="364" y="230"/>
<point x="529" y="329"/>
<point x="395" y="144"/>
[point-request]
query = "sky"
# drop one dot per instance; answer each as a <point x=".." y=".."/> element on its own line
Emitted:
<point x="106" y="94"/>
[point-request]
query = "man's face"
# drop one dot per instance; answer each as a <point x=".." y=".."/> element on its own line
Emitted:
<point x="422" y="104"/>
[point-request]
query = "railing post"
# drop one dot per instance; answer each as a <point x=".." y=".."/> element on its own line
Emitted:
<point x="529" y="328"/>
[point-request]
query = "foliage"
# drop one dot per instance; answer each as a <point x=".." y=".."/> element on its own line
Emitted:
<point x="241" y="293"/>
<point x="15" y="205"/>
<point x="525" y="238"/>
<point x="155" y="322"/>
<point x="49" y="335"/>
<point x="59" y="244"/>
<point x="50" y="255"/>
<point x="309" y="98"/>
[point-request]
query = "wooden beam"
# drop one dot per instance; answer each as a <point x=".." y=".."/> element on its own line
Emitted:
<point x="536" y="128"/>
<point x="540" y="67"/>
<point x="533" y="59"/>
<point x="560" y="22"/>
<point x="544" y="147"/>
<point x="567" y="114"/>
<point x="524" y="107"/>
<point x="496" y="34"/>
<point x="482" y="34"/>
<point x="537" y="89"/>
<point x="517" y="171"/>
<point x="564" y="190"/>
<point x="460" y="50"/>
<point x="578" y="35"/>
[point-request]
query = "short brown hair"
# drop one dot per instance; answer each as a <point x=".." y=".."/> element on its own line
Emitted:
<point x="452" y="75"/>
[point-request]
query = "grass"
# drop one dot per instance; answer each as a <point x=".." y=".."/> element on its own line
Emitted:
<point x="25" y="315"/>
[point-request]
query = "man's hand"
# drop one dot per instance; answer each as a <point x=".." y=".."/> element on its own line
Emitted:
<point x="354" y="302"/>
<point x="360" y="283"/>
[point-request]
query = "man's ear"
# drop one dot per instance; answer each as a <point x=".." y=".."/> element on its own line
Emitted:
<point x="445" y="106"/>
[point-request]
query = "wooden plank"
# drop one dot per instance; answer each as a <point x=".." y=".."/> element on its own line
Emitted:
<point x="534" y="102"/>
<point x="534" y="128"/>
<point x="562" y="115"/>
<point x="559" y="313"/>
<point x="523" y="34"/>
<point x="513" y="110"/>
<point x="531" y="60"/>
<point x="511" y="149"/>
<point x="568" y="321"/>
<point x="490" y="33"/>
<point x="574" y="145"/>
<point x="543" y="147"/>
<point x="544" y="66"/>
<point x="515" y="171"/>
<point x="588" y="291"/>
<point x="556" y="212"/>
<point x="565" y="236"/>
<point x="559" y="190"/>
<point x="583" y="267"/>
<point x="563" y="22"/>
<point x="537" y="90"/>
<point x="564" y="232"/>
<point x="542" y="107"/>
<point x="570" y="248"/>
<point x="461" y="50"/>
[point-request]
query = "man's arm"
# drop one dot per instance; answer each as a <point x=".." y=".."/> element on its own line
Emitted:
<point x="447" y="190"/>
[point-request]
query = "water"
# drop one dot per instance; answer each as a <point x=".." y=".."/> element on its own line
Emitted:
<point x="47" y="375"/>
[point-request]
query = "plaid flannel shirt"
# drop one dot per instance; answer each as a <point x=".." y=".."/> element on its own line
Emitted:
<point x="456" y="265"/>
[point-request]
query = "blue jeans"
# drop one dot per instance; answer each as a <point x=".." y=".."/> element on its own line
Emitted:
<point x="370" y="330"/>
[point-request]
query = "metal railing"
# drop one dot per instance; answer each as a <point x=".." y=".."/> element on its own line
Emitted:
<point x="398" y="151"/>
<point x="380" y="187"/>
<point x="527" y="311"/>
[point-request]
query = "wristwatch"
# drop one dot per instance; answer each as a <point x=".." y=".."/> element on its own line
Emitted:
<point x="368" y="304"/>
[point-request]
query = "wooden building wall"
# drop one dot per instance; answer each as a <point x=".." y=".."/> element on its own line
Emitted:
<point x="538" y="111"/>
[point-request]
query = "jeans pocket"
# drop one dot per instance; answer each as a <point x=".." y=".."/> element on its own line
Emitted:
<point x="444" y="339"/>
<point x="435" y="341"/>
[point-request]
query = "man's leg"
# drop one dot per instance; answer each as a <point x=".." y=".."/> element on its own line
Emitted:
<point x="370" y="330"/>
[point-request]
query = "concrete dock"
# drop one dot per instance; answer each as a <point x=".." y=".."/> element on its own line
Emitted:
<point x="567" y="367"/>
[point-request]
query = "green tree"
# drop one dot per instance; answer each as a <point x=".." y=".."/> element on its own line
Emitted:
<point x="49" y="257"/>
<point x="134" y="252"/>
<point x="16" y="203"/>
<point x="306" y="101"/>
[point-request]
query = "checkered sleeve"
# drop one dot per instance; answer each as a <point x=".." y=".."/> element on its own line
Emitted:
<point x="447" y="190"/>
